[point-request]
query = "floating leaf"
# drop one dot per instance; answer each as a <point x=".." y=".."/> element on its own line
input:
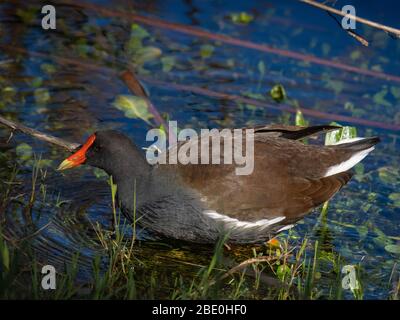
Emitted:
<point x="326" y="48"/>
<point x="359" y="169"/>
<point x="395" y="197"/>
<point x="82" y="47"/>
<point x="336" y="86"/>
<point x="146" y="54"/>
<point x="241" y="18"/>
<point x="42" y="163"/>
<point x="382" y="239"/>
<point x="206" y="51"/>
<point x="261" y="68"/>
<point x="134" y="45"/>
<point x="356" y="54"/>
<point x="230" y="62"/>
<point x="42" y="95"/>
<point x="24" y="151"/>
<point x="253" y="95"/>
<point x="395" y="92"/>
<point x="168" y="63"/>
<point x="48" y="68"/>
<point x="362" y="232"/>
<point x="388" y="175"/>
<point x="8" y="94"/>
<point x="297" y="31"/>
<point x="348" y="133"/>
<point x="344" y="133"/>
<point x="379" y="98"/>
<point x="377" y="67"/>
<point x="133" y="107"/>
<point x="138" y="31"/>
<point x="300" y="121"/>
<point x="349" y="106"/>
<point x="278" y="93"/>
<point x="27" y="15"/>
<point x="393" y="248"/>
<point x="37" y="82"/>
<point x="99" y="173"/>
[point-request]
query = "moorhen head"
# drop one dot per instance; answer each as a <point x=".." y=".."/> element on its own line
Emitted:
<point x="200" y="202"/>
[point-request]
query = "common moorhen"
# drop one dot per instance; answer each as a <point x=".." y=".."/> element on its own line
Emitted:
<point x="198" y="203"/>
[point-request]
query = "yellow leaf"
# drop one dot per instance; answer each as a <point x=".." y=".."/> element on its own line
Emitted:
<point x="133" y="107"/>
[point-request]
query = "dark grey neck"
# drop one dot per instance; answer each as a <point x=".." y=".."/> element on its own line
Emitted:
<point x="131" y="173"/>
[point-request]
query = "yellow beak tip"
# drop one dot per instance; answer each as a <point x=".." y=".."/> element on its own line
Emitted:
<point x="66" y="164"/>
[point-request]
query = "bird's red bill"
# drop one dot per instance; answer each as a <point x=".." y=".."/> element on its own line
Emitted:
<point x="78" y="157"/>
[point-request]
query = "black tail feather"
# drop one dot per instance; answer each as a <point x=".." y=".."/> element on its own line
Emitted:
<point x="359" y="145"/>
<point x="295" y="132"/>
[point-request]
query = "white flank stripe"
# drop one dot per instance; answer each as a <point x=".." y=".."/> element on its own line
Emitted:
<point x="235" y="223"/>
<point x="289" y="226"/>
<point x="348" y="164"/>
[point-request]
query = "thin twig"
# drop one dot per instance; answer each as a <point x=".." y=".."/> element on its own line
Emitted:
<point x="8" y="61"/>
<point x="350" y="32"/>
<point x="70" y="146"/>
<point x="136" y="87"/>
<point x="245" y="263"/>
<point x="268" y="280"/>
<point x="367" y="22"/>
<point x="35" y="233"/>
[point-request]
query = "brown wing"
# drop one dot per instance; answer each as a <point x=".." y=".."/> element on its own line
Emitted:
<point x="288" y="179"/>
